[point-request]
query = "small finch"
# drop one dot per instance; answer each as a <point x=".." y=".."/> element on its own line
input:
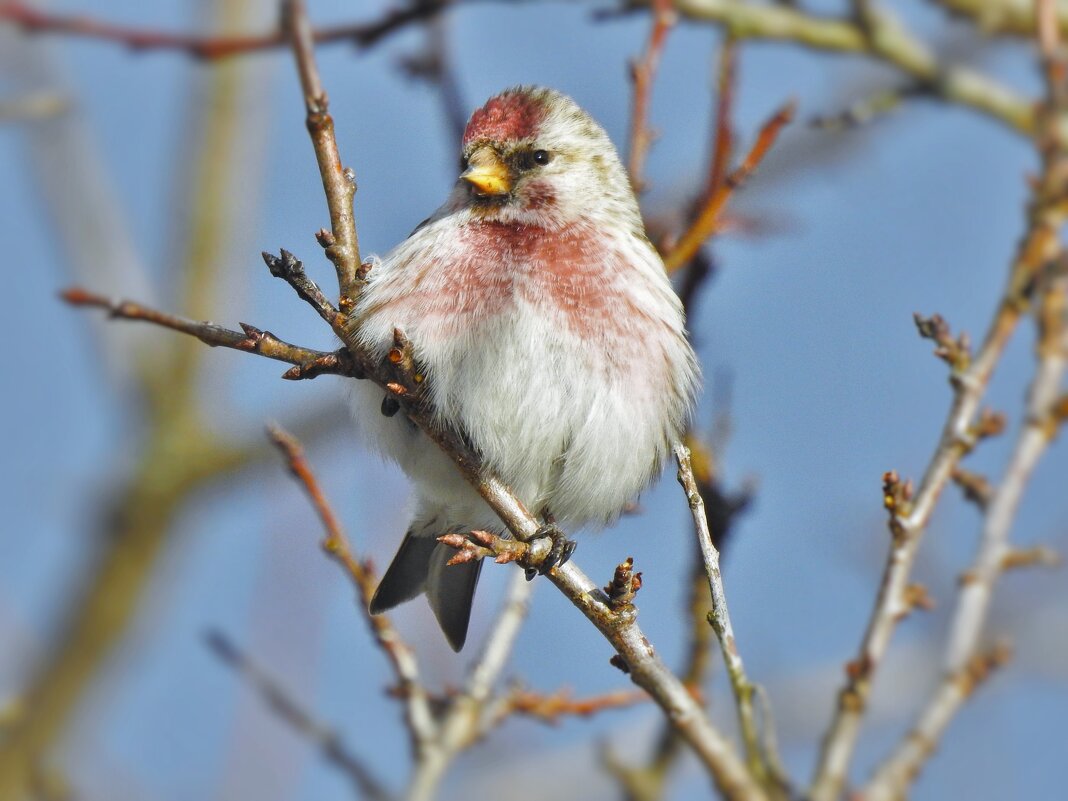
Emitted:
<point x="548" y="333"/>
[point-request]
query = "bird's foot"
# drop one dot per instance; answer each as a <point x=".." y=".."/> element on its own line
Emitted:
<point x="559" y="552"/>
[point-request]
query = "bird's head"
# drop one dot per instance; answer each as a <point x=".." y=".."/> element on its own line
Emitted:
<point x="532" y="156"/>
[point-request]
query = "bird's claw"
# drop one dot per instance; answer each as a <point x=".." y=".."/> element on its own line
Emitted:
<point x="559" y="552"/>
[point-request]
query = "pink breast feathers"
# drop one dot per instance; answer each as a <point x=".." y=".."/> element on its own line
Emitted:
<point x="565" y="274"/>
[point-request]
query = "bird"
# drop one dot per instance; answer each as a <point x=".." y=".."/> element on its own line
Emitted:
<point x="548" y="333"/>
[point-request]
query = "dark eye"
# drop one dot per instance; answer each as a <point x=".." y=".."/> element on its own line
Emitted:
<point x="542" y="157"/>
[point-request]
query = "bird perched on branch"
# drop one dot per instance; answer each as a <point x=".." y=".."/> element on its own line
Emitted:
<point x="548" y="334"/>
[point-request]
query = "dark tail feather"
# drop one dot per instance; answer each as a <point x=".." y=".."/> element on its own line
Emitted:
<point x="420" y="566"/>
<point x="450" y="590"/>
<point x="407" y="573"/>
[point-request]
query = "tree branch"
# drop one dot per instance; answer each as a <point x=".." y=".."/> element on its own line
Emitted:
<point x="965" y="665"/>
<point x="705" y="222"/>
<point x="763" y="764"/>
<point x="464" y="720"/>
<point x="419" y="717"/>
<point x="307" y="363"/>
<point x="279" y="701"/>
<point x="642" y="74"/>
<point x="879" y="36"/>
<point x="212" y="48"/>
<point x="341" y="244"/>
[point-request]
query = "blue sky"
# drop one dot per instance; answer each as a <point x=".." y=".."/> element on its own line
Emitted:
<point x="812" y="321"/>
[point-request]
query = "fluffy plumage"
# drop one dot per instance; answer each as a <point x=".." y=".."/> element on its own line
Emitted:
<point x="548" y="333"/>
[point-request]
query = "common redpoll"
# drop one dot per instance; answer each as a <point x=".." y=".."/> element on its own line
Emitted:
<point x="548" y="333"/>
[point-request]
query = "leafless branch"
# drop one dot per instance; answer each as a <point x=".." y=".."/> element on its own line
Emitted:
<point x="340" y="243"/>
<point x="465" y="718"/>
<point x="552" y="707"/>
<point x="877" y="35"/>
<point x="995" y="555"/>
<point x="292" y="713"/>
<point x="642" y="74"/>
<point x="723" y="122"/>
<point x="1014" y="17"/>
<point x="212" y="48"/>
<point x="762" y="763"/>
<point x="422" y="726"/>
<point x="307" y="363"/>
<point x="705" y="222"/>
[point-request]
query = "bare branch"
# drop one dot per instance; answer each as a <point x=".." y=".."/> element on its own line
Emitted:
<point x="879" y="36"/>
<point x="995" y="555"/>
<point x="723" y="139"/>
<point x="211" y="48"/>
<point x="762" y="764"/>
<point x="893" y="777"/>
<point x="293" y="714"/>
<point x="704" y="225"/>
<point x="551" y="708"/>
<point x="341" y="243"/>
<point x="642" y="74"/>
<point x="422" y="727"/>
<point x="308" y="363"/>
<point x="467" y="717"/>
<point x="1014" y="17"/>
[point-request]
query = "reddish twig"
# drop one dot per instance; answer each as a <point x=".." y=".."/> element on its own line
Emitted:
<point x="419" y="715"/>
<point x="723" y="140"/>
<point x="700" y="267"/>
<point x="206" y="47"/>
<point x="705" y="223"/>
<point x="475" y="545"/>
<point x="307" y="363"/>
<point x="643" y="73"/>
<point x="552" y="707"/>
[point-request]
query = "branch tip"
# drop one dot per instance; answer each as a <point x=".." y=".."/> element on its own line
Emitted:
<point x="624" y="586"/>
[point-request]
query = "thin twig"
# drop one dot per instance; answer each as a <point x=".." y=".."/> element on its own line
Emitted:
<point x="701" y="266"/>
<point x="1041" y="422"/>
<point x="704" y="224"/>
<point x="762" y="765"/>
<point x="464" y="720"/>
<point x="211" y="48"/>
<point x="880" y="37"/>
<point x="723" y="124"/>
<point x="422" y="727"/>
<point x="1000" y="17"/>
<point x="893" y="776"/>
<point x="341" y="243"/>
<point x="308" y="363"/>
<point x="867" y="109"/>
<point x="550" y="708"/>
<point x="642" y="74"/>
<point x="292" y="713"/>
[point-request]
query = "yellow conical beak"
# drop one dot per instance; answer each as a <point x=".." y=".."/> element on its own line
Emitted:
<point x="487" y="173"/>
